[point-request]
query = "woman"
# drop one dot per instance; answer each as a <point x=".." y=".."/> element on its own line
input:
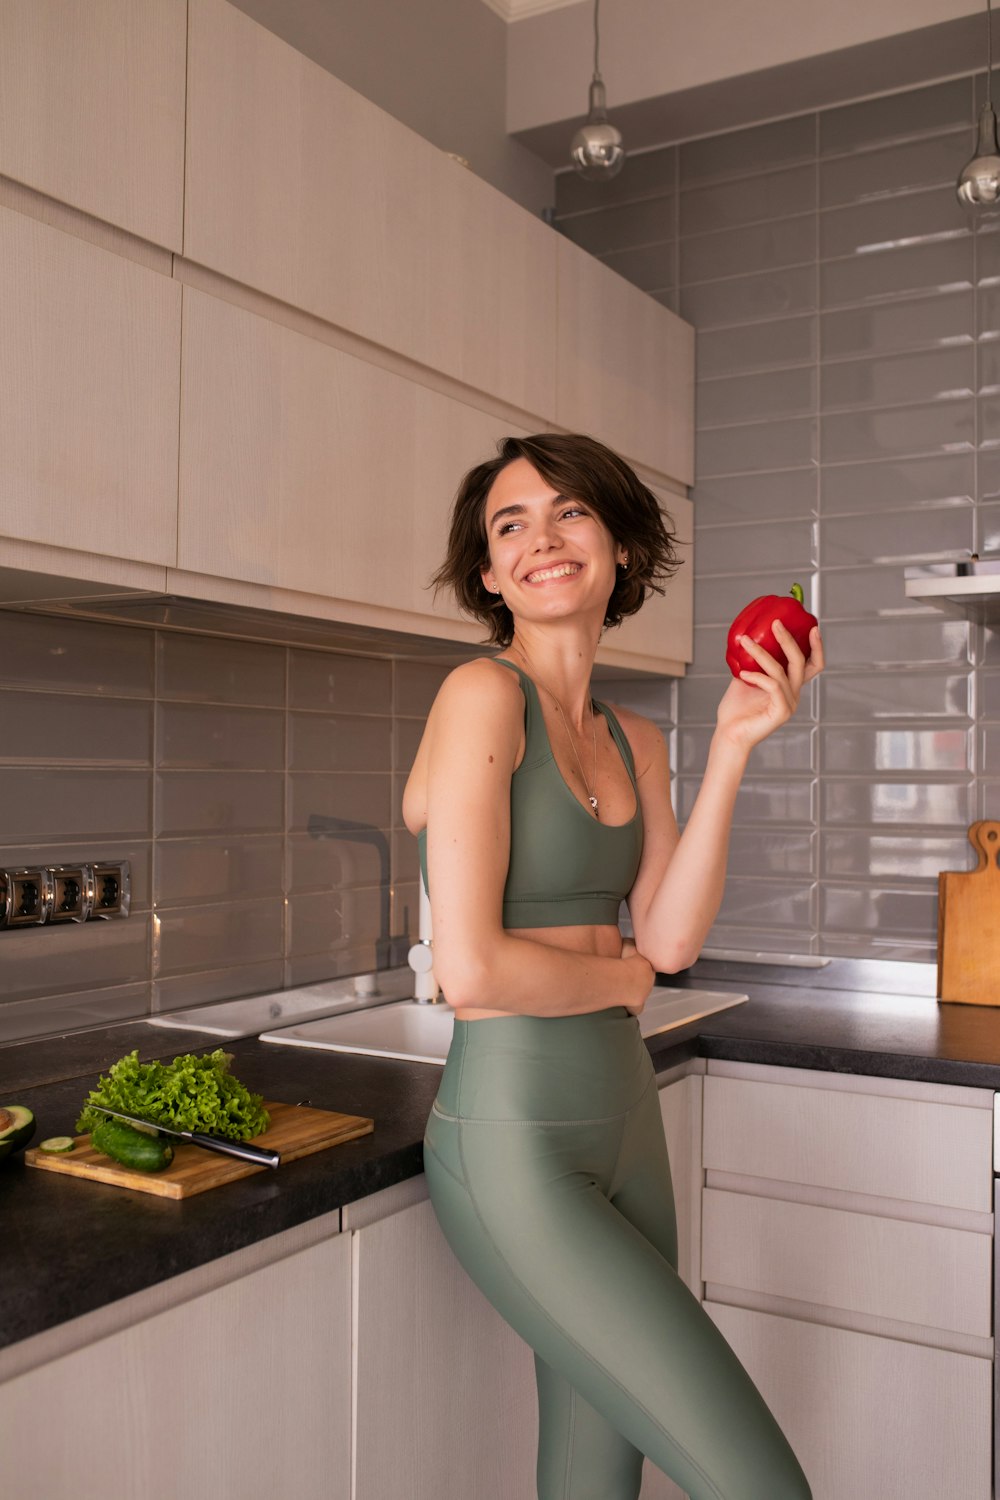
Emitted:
<point x="538" y="810"/>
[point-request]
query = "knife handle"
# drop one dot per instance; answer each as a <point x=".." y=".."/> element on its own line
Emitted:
<point x="242" y="1149"/>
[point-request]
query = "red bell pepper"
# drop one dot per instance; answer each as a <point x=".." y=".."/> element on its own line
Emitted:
<point x="756" y="619"/>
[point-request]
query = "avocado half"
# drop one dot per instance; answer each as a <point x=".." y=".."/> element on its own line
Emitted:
<point x="17" y="1126"/>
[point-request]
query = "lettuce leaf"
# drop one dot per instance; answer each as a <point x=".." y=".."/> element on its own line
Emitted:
<point x="190" y="1093"/>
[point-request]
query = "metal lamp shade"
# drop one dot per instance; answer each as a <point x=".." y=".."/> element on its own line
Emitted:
<point x="979" y="182"/>
<point x="596" y="150"/>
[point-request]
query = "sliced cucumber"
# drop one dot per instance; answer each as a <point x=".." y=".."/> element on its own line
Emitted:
<point x="17" y="1126"/>
<point x="57" y="1145"/>
<point x="131" y="1147"/>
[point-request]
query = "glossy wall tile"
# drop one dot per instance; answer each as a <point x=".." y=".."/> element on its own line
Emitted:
<point x="201" y="760"/>
<point x="848" y="427"/>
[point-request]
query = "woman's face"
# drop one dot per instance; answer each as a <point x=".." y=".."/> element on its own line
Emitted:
<point x="550" y="554"/>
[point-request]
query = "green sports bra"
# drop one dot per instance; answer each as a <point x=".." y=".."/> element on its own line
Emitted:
<point x="566" y="869"/>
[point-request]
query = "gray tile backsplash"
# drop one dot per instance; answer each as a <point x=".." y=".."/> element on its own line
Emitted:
<point x="200" y="760"/>
<point x="848" y="426"/>
<point x="848" y="416"/>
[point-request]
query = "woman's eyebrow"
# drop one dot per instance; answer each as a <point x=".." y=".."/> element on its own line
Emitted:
<point x="519" y="510"/>
<point x="506" y="510"/>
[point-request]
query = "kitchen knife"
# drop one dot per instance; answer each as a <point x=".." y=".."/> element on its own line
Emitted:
<point x="241" y="1149"/>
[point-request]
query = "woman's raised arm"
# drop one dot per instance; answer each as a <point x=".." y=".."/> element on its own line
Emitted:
<point x="678" y="890"/>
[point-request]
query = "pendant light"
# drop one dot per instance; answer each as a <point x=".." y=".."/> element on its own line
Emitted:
<point x="979" y="184"/>
<point x="596" y="149"/>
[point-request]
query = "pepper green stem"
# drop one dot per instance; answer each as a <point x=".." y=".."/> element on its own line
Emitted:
<point x="796" y="592"/>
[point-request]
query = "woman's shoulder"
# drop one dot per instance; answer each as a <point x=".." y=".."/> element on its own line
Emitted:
<point x="480" y="686"/>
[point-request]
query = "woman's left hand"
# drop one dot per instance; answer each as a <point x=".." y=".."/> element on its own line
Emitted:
<point x="757" y="703"/>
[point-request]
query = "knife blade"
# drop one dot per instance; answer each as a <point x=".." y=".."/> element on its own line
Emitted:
<point x="241" y="1149"/>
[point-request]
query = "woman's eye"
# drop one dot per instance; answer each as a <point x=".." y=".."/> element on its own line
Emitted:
<point x="507" y="526"/>
<point x="574" y="510"/>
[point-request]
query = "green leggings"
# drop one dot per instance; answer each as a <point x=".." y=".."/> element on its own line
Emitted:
<point x="548" y="1171"/>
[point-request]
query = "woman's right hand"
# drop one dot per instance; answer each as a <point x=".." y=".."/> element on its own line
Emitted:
<point x="644" y="976"/>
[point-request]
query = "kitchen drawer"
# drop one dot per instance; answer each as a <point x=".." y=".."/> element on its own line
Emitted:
<point x="870" y="1417"/>
<point x="889" y="1146"/>
<point x="928" y="1274"/>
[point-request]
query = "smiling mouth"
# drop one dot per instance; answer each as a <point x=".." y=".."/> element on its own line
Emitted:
<point x="560" y="570"/>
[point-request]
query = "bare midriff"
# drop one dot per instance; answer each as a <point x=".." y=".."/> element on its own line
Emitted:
<point x="599" y="942"/>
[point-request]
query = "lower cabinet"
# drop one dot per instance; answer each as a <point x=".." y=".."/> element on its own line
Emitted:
<point x="444" y="1389"/>
<point x="847" y="1244"/>
<point x="243" y="1390"/>
<point x="870" y="1416"/>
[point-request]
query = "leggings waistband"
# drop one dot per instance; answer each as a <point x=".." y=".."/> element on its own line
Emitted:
<point x="582" y="1067"/>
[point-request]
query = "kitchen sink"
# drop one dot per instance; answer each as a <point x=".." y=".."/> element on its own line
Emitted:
<point x="246" y="1016"/>
<point x="422" y="1033"/>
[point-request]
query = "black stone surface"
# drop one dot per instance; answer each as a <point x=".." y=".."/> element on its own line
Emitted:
<point x="71" y="1246"/>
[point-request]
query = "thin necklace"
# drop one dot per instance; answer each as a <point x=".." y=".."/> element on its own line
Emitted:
<point x="591" y="795"/>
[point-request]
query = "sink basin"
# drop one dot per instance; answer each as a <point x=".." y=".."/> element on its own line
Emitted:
<point x="245" y="1017"/>
<point x="422" y="1033"/>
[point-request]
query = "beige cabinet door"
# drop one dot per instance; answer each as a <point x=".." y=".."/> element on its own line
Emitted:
<point x="243" y="1391"/>
<point x="89" y="396"/>
<point x="680" y="1106"/>
<point x="870" y="1416"/>
<point x="932" y="1146"/>
<point x="305" y="468"/>
<point x="625" y="367"/>
<point x="660" y="638"/>
<point x="445" y="1390"/>
<point x="299" y="187"/>
<point x="934" y="1276"/>
<point x="93" y="108"/>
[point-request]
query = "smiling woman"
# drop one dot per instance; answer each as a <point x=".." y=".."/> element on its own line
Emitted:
<point x="572" y="469"/>
<point x="538" y="810"/>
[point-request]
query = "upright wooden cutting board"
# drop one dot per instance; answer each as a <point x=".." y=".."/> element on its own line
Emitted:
<point x="294" y="1131"/>
<point x="969" y="924"/>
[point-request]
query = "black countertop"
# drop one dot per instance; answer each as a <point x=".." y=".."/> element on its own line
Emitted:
<point x="71" y="1246"/>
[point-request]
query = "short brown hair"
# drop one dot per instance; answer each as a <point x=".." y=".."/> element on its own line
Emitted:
<point x="580" y="467"/>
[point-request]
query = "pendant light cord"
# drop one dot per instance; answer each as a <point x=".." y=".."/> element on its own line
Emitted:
<point x="597" y="40"/>
<point x="989" y="54"/>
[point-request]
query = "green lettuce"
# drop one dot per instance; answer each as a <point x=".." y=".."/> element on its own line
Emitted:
<point x="190" y="1093"/>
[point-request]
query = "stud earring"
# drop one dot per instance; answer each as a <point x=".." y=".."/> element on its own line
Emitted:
<point x="624" y="562"/>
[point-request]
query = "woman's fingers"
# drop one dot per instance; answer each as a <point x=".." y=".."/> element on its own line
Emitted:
<point x="816" y="661"/>
<point x="772" y="676"/>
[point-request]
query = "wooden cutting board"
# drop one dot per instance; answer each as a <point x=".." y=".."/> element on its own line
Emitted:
<point x="295" y="1131"/>
<point x="969" y="924"/>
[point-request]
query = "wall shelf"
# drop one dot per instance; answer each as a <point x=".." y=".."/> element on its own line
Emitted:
<point x="973" y="597"/>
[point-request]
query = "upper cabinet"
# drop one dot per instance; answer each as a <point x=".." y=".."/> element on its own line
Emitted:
<point x="92" y="108"/>
<point x="625" y="367"/>
<point x="305" y="468"/>
<point x="363" y="319"/>
<point x="300" y="188"/>
<point x="89" y="393"/>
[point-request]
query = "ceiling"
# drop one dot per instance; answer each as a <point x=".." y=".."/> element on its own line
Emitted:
<point x="675" y="69"/>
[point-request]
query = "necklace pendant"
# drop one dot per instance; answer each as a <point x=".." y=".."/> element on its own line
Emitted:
<point x="593" y="802"/>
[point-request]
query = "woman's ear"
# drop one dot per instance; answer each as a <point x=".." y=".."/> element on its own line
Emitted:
<point x="489" y="580"/>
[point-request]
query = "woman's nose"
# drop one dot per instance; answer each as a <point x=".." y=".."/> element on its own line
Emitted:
<point x="546" y="536"/>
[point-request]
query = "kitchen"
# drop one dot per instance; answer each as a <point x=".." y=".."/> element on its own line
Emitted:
<point x="845" y="408"/>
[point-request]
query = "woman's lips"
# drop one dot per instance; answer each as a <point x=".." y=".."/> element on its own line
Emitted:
<point x="554" y="571"/>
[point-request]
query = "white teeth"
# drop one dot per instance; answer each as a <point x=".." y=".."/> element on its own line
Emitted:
<point x="562" y="571"/>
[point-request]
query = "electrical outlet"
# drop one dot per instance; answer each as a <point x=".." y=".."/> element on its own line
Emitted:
<point x="112" y="889"/>
<point x="72" y="893"/>
<point x="30" y="897"/>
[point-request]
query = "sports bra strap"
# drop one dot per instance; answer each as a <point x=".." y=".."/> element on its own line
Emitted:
<point x="536" y="738"/>
<point x="620" y="738"/>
